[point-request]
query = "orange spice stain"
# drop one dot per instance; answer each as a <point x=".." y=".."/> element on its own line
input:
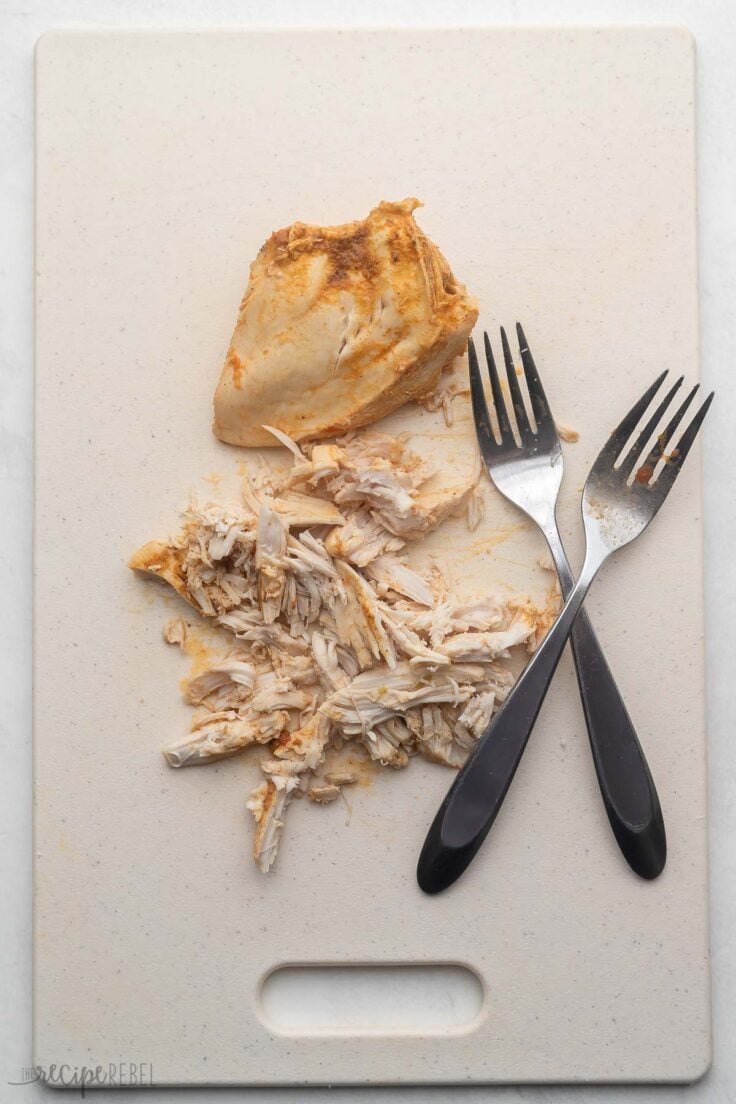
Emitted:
<point x="237" y="368"/>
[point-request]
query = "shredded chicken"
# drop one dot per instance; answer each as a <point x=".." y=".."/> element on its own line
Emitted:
<point x="331" y="636"/>
<point x="175" y="631"/>
<point x="449" y="386"/>
<point x="229" y="682"/>
<point x="567" y="433"/>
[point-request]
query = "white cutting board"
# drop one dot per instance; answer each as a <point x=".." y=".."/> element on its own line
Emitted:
<point x="557" y="169"/>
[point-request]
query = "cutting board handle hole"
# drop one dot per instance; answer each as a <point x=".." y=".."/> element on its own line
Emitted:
<point x="329" y="999"/>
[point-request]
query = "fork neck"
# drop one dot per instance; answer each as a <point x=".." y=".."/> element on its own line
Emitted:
<point x="592" y="563"/>
<point x="595" y="554"/>
<point x="576" y="596"/>
<point x="556" y="547"/>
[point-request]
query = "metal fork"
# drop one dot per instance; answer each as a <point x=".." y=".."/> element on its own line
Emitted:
<point x="529" y="475"/>
<point x="616" y="509"/>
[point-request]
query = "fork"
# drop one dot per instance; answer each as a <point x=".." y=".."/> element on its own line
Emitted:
<point x="529" y="475"/>
<point x="622" y="494"/>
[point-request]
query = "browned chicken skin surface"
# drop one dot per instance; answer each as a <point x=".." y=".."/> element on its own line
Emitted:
<point x="339" y="326"/>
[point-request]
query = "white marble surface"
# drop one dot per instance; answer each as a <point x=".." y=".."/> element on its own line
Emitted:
<point x="715" y="31"/>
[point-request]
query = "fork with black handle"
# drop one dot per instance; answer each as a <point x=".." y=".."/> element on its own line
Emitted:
<point x="529" y="475"/>
<point x="621" y="496"/>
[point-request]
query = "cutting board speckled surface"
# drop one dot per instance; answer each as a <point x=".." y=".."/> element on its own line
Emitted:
<point x="558" y="176"/>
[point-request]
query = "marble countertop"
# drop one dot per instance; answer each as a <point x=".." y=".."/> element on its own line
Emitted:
<point x="714" y="27"/>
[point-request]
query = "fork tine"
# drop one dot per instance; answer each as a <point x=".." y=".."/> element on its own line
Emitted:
<point x="504" y="425"/>
<point x="482" y="418"/>
<point x="522" y="419"/>
<point x="610" y="451"/>
<point x="631" y="460"/>
<point x="658" y="449"/>
<point x="540" y="406"/>
<point x="671" y="470"/>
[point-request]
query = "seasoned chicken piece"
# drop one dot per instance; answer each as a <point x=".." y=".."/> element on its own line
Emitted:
<point x="270" y="549"/>
<point x="437" y="739"/>
<point x="362" y="448"/>
<point x="308" y="554"/>
<point x="339" y="326"/>
<point x="391" y="515"/>
<point x="175" y="631"/>
<point x="434" y="623"/>
<point x="428" y="510"/>
<point x="359" y="620"/>
<point x="301" y="670"/>
<point x="389" y="742"/>
<point x="448" y="388"/>
<point x="483" y="614"/>
<point x="392" y="575"/>
<point x="300" y="511"/>
<point x="323" y="792"/>
<point x="361" y="539"/>
<point x="306" y="746"/>
<point x="476" y="715"/>
<point x="210" y="563"/>
<point x="324" y="651"/>
<point x="380" y="485"/>
<point x="412" y="646"/>
<point x="219" y="735"/>
<point x="324" y="462"/>
<point x="230" y="680"/>
<point x="476" y="508"/>
<point x="539" y="618"/>
<point x="567" y="433"/>
<point x="165" y="561"/>
<point x="268" y="804"/>
<point x="274" y="691"/>
<point x="482" y="647"/>
<point x="296" y="756"/>
<point x="248" y="625"/>
<point x="378" y="695"/>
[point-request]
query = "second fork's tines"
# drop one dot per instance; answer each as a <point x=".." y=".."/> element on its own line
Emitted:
<point x="653" y="458"/>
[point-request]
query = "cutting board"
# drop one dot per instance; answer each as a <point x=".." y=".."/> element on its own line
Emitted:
<point x="557" y="172"/>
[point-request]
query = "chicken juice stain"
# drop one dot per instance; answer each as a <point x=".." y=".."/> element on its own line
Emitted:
<point x="199" y="649"/>
<point x="495" y="537"/>
<point x="342" y="760"/>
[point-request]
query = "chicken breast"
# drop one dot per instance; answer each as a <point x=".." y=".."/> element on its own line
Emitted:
<point x="339" y="326"/>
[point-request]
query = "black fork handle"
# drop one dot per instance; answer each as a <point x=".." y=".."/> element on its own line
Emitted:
<point x="475" y="797"/>
<point x="626" y="784"/>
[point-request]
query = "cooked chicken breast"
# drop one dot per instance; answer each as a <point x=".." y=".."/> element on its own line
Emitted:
<point x="339" y="326"/>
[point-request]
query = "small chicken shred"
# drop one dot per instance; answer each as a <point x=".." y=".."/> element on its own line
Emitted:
<point x="567" y="433"/>
<point x="329" y="636"/>
<point x="449" y="387"/>
<point x="175" y="631"/>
